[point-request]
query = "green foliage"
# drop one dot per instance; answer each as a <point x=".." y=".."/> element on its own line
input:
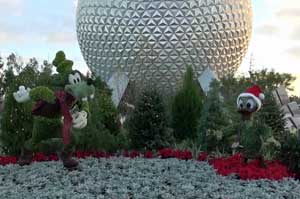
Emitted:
<point x="290" y="151"/>
<point x="147" y="124"/>
<point x="272" y="115"/>
<point x="190" y="145"/>
<point x="186" y="108"/>
<point x="59" y="58"/>
<point x="61" y="63"/>
<point x="42" y="93"/>
<point x="102" y="131"/>
<point x="232" y="86"/>
<point x="254" y="136"/>
<point x="16" y="121"/>
<point x="270" y="80"/>
<point x="92" y="138"/>
<point x="108" y="114"/>
<point x="269" y="115"/>
<point x="212" y="121"/>
<point x="65" y="66"/>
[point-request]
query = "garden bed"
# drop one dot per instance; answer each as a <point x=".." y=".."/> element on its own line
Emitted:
<point x="166" y="174"/>
<point x="120" y="177"/>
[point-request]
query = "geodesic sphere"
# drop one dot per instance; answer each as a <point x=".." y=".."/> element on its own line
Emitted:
<point x="155" y="40"/>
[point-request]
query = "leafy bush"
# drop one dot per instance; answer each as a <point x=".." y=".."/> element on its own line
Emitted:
<point x="95" y="139"/>
<point x="17" y="121"/>
<point x="102" y="131"/>
<point x="186" y="108"/>
<point x="290" y="151"/>
<point x="147" y="125"/>
<point x="272" y="115"/>
<point x="257" y="140"/>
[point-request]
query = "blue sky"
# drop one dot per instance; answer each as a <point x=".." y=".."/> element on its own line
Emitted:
<point x="39" y="28"/>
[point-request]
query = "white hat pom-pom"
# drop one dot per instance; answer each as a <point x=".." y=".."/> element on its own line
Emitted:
<point x="261" y="96"/>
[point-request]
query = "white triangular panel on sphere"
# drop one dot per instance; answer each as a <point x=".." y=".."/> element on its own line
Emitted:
<point x="118" y="83"/>
<point x="206" y="78"/>
<point x="143" y="36"/>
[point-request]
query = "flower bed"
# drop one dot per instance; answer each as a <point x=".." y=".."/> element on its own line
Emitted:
<point x="138" y="178"/>
<point x="233" y="165"/>
<point x="274" y="170"/>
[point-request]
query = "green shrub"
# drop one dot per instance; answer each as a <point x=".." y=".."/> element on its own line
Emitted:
<point x="212" y="121"/>
<point x="95" y="139"/>
<point x="186" y="108"/>
<point x="257" y="140"/>
<point x="102" y="131"/>
<point x="16" y="120"/>
<point x="147" y="124"/>
<point x="272" y="115"/>
<point x="290" y="151"/>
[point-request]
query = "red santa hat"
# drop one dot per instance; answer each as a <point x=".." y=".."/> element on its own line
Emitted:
<point x="256" y="93"/>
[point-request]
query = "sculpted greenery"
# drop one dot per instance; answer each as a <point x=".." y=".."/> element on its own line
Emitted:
<point x="56" y="112"/>
<point x="211" y="127"/>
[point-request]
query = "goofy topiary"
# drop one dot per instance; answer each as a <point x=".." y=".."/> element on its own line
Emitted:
<point x="57" y="113"/>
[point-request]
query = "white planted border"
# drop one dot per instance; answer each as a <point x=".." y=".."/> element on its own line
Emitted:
<point x="121" y="178"/>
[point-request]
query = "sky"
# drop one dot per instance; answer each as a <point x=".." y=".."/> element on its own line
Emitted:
<point x="39" y="28"/>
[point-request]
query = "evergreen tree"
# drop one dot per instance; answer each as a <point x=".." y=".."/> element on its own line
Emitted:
<point x="212" y="120"/>
<point x="186" y="108"/>
<point x="102" y="131"/>
<point x="147" y="124"/>
<point x="272" y="115"/>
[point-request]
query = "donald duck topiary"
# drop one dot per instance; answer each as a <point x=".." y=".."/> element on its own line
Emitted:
<point x="255" y="139"/>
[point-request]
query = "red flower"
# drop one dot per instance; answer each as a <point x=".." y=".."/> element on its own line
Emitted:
<point x="53" y="157"/>
<point x="251" y="171"/>
<point x="148" y="154"/>
<point x="8" y="160"/>
<point x="132" y="154"/>
<point x="40" y="157"/>
<point x="166" y="153"/>
<point x="202" y="156"/>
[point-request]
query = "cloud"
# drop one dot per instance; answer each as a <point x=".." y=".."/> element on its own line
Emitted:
<point x="293" y="52"/>
<point x="276" y="36"/>
<point x="7" y="37"/>
<point x="289" y="12"/>
<point x="295" y="34"/>
<point x="268" y="29"/>
<point x="61" y="37"/>
<point x="12" y="6"/>
<point x="8" y="4"/>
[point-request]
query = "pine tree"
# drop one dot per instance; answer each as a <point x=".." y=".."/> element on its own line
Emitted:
<point x="186" y="108"/>
<point x="272" y="115"/>
<point x="147" y="124"/>
<point x="212" y="120"/>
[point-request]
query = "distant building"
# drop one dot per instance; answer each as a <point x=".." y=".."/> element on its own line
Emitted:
<point x="154" y="41"/>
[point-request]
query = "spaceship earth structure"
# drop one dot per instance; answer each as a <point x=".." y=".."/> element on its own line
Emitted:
<point x="155" y="40"/>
